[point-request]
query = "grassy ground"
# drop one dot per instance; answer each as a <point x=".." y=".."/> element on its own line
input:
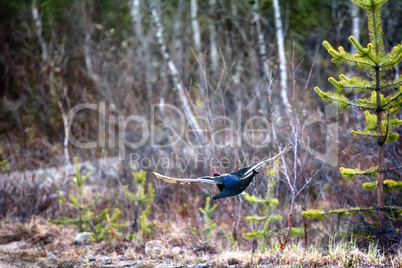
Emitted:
<point x="38" y="244"/>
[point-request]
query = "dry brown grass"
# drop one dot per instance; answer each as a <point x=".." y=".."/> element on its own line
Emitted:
<point x="40" y="244"/>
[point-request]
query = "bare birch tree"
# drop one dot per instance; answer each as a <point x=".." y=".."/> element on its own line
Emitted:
<point x="94" y="70"/>
<point x="261" y="41"/>
<point x="142" y="41"/>
<point x="38" y="28"/>
<point x="53" y="83"/>
<point x="296" y="177"/>
<point x="282" y="56"/>
<point x="213" y="48"/>
<point x="354" y="10"/>
<point x="196" y="36"/>
<point x="175" y="76"/>
<point x="178" y="27"/>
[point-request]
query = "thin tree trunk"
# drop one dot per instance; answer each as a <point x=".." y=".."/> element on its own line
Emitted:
<point x="52" y="82"/>
<point x="136" y="17"/>
<point x="295" y="175"/>
<point x="195" y="26"/>
<point x="354" y="10"/>
<point x="88" y="51"/>
<point x="380" y="190"/>
<point x="261" y="41"/>
<point x="178" y="50"/>
<point x="196" y="36"/>
<point x="66" y="132"/>
<point x="163" y="118"/>
<point x="38" y="28"/>
<point x="142" y="49"/>
<point x="292" y="203"/>
<point x="282" y="56"/>
<point x="213" y="53"/>
<point x="100" y="81"/>
<point x="175" y="76"/>
<point x="381" y="141"/>
<point x="234" y="230"/>
<point x="304" y="207"/>
<point x="88" y="61"/>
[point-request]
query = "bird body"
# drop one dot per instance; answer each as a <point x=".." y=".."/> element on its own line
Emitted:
<point x="228" y="184"/>
<point x="233" y="185"/>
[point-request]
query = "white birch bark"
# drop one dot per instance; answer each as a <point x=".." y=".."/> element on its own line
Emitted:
<point x="262" y="51"/>
<point x="354" y="10"/>
<point x="178" y="34"/>
<point x="45" y="59"/>
<point x="175" y="76"/>
<point x="195" y="26"/>
<point x="66" y="132"/>
<point x="196" y="36"/>
<point x="88" y="60"/>
<point x="213" y="48"/>
<point x="261" y="41"/>
<point x="136" y="17"/>
<point x="282" y="56"/>
<point x="142" y="49"/>
<point x="38" y="28"/>
<point x="355" y="24"/>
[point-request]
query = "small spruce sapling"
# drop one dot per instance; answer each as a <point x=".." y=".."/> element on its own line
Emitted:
<point x="207" y="212"/>
<point x="142" y="204"/>
<point x="232" y="243"/>
<point x="263" y="225"/>
<point x="209" y="224"/>
<point x="101" y="225"/>
<point x="108" y="228"/>
<point x="381" y="104"/>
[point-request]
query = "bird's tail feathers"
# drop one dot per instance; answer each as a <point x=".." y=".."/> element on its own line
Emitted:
<point x="171" y="179"/>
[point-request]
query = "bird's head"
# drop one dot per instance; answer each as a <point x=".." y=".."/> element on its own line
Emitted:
<point x="216" y="174"/>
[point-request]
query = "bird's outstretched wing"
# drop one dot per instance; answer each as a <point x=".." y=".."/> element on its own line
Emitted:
<point x="206" y="179"/>
<point x="247" y="171"/>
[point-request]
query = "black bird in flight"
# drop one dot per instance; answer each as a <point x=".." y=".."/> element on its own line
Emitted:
<point x="228" y="184"/>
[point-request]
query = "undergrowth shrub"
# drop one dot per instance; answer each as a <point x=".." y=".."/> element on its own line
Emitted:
<point x="101" y="225"/>
<point x="140" y="201"/>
